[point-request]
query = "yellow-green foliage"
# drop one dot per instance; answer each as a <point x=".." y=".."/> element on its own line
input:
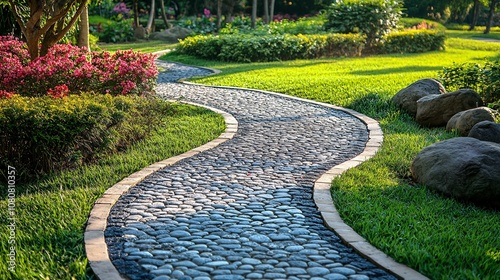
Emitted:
<point x="413" y="41"/>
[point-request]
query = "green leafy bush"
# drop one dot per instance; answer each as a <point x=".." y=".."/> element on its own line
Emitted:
<point x="114" y="31"/>
<point x="249" y="48"/>
<point x="374" y="18"/>
<point x="40" y="135"/>
<point x="412" y="41"/>
<point x="485" y="79"/>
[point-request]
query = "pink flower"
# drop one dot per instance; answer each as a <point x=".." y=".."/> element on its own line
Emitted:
<point x="59" y="91"/>
<point x="5" y="94"/>
<point x="206" y="12"/>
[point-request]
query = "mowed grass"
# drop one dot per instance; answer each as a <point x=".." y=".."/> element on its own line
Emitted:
<point x="439" y="237"/>
<point x="51" y="214"/>
<point x="145" y="46"/>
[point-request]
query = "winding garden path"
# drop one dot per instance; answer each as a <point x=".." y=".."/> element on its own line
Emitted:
<point x="243" y="209"/>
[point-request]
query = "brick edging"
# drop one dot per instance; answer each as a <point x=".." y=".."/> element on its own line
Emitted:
<point x="95" y="244"/>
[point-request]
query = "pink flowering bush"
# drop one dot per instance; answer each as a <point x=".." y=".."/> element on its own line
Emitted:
<point x="70" y="69"/>
<point x="423" y="26"/>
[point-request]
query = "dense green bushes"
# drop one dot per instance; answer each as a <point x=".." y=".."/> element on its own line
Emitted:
<point x="412" y="41"/>
<point x="39" y="135"/>
<point x="374" y="18"/>
<point x="248" y="48"/>
<point x="485" y="79"/>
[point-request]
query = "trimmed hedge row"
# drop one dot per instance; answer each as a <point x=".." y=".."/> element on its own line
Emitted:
<point x="40" y="135"/>
<point x="248" y="48"/>
<point x="251" y="48"/>
<point x="413" y="41"/>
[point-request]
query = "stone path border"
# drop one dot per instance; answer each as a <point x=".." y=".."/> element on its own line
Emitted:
<point x="96" y="248"/>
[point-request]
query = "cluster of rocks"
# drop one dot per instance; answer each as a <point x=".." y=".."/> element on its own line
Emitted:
<point x="467" y="167"/>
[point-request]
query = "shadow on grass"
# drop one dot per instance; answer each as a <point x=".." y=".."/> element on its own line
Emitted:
<point x="234" y="67"/>
<point x="396" y="70"/>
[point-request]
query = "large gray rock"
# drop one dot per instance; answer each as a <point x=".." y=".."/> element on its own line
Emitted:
<point x="486" y="131"/>
<point x="407" y="98"/>
<point x="437" y="110"/>
<point x="172" y="35"/>
<point x="464" y="168"/>
<point x="465" y="120"/>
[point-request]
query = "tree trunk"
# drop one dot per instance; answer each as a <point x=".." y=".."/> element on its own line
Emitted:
<point x="475" y="15"/>
<point x="135" y="8"/>
<point x="254" y="14"/>
<point x="219" y="14"/>
<point x="266" y="11"/>
<point x="493" y="4"/>
<point x="164" y="14"/>
<point x="271" y="11"/>
<point x="83" y="26"/>
<point x="149" y="26"/>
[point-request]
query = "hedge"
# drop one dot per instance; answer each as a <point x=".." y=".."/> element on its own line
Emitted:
<point x="40" y="135"/>
<point x="412" y="41"/>
<point x="248" y="48"/>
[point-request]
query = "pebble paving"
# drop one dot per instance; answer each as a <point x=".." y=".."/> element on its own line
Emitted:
<point x="243" y="210"/>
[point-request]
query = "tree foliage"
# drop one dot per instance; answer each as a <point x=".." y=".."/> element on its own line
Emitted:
<point x="45" y="22"/>
<point x="374" y="18"/>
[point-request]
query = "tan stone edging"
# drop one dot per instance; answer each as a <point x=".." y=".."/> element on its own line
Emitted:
<point x="323" y="198"/>
<point x="96" y="248"/>
<point x="95" y="244"/>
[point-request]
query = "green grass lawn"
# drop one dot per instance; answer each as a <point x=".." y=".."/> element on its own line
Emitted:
<point x="437" y="236"/>
<point x="145" y="46"/>
<point x="50" y="223"/>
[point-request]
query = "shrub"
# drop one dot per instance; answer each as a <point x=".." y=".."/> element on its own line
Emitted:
<point x="420" y="23"/>
<point x="485" y="79"/>
<point x="39" y="135"/>
<point x="374" y="18"/>
<point x="412" y="41"/>
<point x="114" y="31"/>
<point x="124" y="72"/>
<point x="249" y="48"/>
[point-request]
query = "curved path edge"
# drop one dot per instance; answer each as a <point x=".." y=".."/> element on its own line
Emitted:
<point x="95" y="245"/>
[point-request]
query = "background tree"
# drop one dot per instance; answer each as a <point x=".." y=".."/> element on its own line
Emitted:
<point x="219" y="14"/>
<point x="254" y="13"/>
<point x="493" y="6"/>
<point x="475" y="14"/>
<point x="83" y="29"/>
<point x="47" y="22"/>
<point x="151" y="20"/>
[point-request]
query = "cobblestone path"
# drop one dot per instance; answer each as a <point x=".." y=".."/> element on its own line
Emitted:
<point x="243" y="210"/>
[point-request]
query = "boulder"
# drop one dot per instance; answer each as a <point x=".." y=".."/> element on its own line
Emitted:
<point x="171" y="35"/>
<point x="407" y="98"/>
<point x="486" y="131"/>
<point x="465" y="120"/>
<point x="140" y="32"/>
<point x="464" y="168"/>
<point x="436" y="110"/>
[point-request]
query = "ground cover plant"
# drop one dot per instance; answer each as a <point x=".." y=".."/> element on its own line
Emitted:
<point x="439" y="237"/>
